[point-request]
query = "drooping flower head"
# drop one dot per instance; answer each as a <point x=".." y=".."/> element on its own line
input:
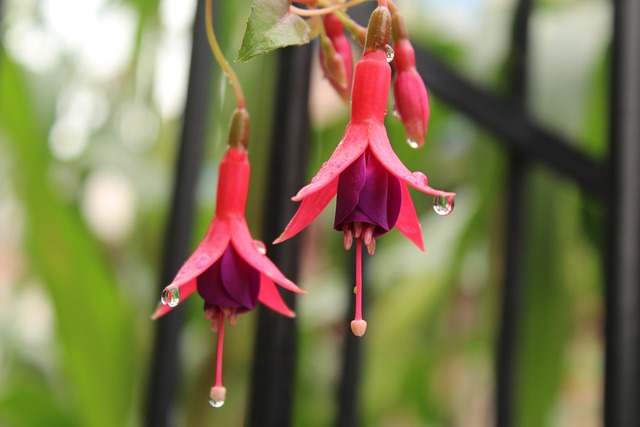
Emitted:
<point x="410" y="94"/>
<point x="370" y="182"/>
<point x="229" y="269"/>
<point x="336" y="58"/>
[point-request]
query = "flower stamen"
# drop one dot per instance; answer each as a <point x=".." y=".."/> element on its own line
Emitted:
<point x="357" y="230"/>
<point x="348" y="236"/>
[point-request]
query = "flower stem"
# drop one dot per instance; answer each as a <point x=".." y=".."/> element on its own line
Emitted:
<point x="220" y="348"/>
<point x="220" y="59"/>
<point x="325" y="10"/>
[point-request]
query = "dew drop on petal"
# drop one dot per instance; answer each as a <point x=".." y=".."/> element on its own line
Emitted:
<point x="412" y="143"/>
<point x="390" y="53"/>
<point x="421" y="178"/>
<point x="170" y="296"/>
<point x="260" y="247"/>
<point x="202" y="260"/>
<point x="443" y="205"/>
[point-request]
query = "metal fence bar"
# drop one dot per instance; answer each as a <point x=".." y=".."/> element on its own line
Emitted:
<point x="508" y="122"/>
<point x="622" y="348"/>
<point x="348" y="396"/>
<point x="507" y="356"/>
<point x="165" y="364"/>
<point x="275" y="352"/>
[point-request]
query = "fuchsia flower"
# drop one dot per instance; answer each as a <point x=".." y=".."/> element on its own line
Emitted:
<point x="229" y="269"/>
<point x="409" y="91"/>
<point x="335" y="56"/>
<point x="370" y="182"/>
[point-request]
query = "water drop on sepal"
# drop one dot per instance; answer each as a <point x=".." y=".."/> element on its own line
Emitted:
<point x="443" y="205"/>
<point x="170" y="296"/>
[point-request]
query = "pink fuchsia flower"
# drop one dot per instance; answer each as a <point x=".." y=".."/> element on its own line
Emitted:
<point x="409" y="91"/>
<point x="370" y="182"/>
<point x="229" y="269"/>
<point x="336" y="58"/>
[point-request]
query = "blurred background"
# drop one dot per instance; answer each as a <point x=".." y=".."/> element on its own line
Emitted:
<point x="92" y="94"/>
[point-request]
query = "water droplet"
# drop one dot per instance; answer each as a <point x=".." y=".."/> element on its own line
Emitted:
<point x="421" y="178"/>
<point x="390" y="52"/>
<point x="355" y="290"/>
<point x="396" y="112"/>
<point x="412" y="143"/>
<point x="443" y="205"/>
<point x="260" y="247"/>
<point x="170" y="296"/>
<point x="202" y="260"/>
<point x="215" y="403"/>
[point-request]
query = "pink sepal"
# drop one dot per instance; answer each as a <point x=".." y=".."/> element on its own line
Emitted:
<point x="270" y="297"/>
<point x="246" y="248"/>
<point x="408" y="223"/>
<point x="309" y="209"/>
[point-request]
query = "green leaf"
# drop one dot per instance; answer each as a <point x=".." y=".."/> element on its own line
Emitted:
<point x="270" y="27"/>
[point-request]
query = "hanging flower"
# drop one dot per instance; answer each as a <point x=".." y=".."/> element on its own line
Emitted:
<point x="370" y="182"/>
<point x="229" y="269"/>
<point x="336" y="59"/>
<point x="409" y="91"/>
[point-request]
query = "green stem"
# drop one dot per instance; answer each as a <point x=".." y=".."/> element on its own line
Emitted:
<point x="220" y="59"/>
<point x="324" y="10"/>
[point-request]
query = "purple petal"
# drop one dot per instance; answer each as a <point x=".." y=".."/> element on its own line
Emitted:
<point x="230" y="282"/>
<point x="377" y="201"/>
<point x="351" y="182"/>
<point x="240" y="280"/>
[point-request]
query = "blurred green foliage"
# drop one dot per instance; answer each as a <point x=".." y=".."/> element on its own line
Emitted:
<point x="74" y="318"/>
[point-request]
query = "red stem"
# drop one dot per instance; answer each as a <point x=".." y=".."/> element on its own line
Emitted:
<point x="220" y="347"/>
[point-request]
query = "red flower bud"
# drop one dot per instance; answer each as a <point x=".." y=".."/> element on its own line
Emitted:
<point x="335" y="56"/>
<point x="409" y="91"/>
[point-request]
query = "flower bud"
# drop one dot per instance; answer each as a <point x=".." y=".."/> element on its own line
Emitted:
<point x="335" y="56"/>
<point x="409" y="91"/>
<point x="378" y="30"/>
<point x="239" y="129"/>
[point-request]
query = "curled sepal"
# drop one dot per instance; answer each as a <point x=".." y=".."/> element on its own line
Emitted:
<point x="378" y="30"/>
<point x="239" y="129"/>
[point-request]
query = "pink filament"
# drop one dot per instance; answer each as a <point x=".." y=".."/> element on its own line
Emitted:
<point x="219" y="352"/>
<point x="358" y="279"/>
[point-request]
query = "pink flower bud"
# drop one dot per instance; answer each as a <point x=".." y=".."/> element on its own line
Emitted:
<point x="410" y="93"/>
<point x="335" y="56"/>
